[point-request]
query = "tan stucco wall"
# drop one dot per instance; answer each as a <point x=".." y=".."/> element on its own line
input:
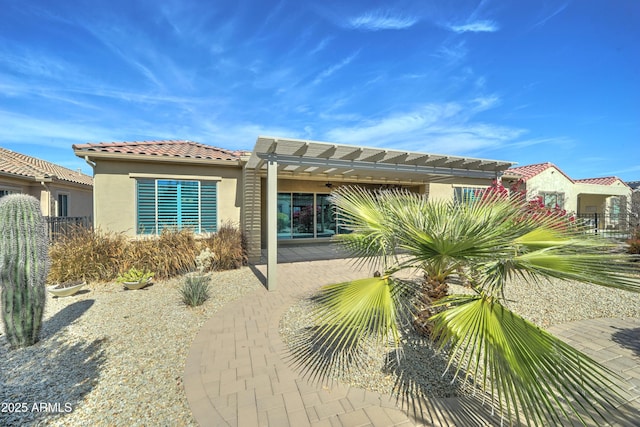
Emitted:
<point x="80" y="202"/>
<point x="552" y="180"/>
<point x="445" y="191"/>
<point x="80" y="199"/>
<point x="115" y="190"/>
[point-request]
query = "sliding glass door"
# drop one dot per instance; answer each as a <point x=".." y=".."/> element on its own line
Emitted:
<point x="305" y="216"/>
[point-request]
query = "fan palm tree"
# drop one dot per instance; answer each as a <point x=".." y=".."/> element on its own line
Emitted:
<point x="531" y="376"/>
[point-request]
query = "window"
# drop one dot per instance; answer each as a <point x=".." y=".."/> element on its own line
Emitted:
<point x="614" y="209"/>
<point x="305" y="215"/>
<point x="7" y="191"/>
<point x="467" y="194"/>
<point x="63" y="205"/>
<point x="553" y="200"/>
<point x="163" y="203"/>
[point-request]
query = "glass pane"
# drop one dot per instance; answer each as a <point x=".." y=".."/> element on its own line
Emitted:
<point x="284" y="216"/>
<point x="189" y="208"/>
<point x="208" y="206"/>
<point x="167" y="204"/>
<point x="326" y="220"/>
<point x="302" y="215"/>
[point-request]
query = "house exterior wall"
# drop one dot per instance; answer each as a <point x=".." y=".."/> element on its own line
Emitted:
<point x="435" y="190"/>
<point x="445" y="191"/>
<point x="115" y="190"/>
<point x="552" y="180"/>
<point x="80" y="199"/>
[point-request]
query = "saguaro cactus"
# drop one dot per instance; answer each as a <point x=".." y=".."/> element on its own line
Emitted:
<point x="23" y="268"/>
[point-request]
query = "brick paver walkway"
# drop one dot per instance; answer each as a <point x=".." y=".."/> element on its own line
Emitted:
<point x="235" y="374"/>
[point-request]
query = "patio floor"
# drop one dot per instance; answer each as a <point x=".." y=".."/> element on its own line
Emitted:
<point x="236" y="373"/>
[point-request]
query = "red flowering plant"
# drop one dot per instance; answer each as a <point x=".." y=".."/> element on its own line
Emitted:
<point x="555" y="217"/>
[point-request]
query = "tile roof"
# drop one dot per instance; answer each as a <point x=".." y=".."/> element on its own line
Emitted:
<point x="30" y="167"/>
<point x="607" y="180"/>
<point x="529" y="171"/>
<point x="162" y="148"/>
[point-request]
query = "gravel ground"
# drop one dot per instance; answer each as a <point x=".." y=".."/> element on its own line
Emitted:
<point x="419" y="371"/>
<point x="109" y="356"/>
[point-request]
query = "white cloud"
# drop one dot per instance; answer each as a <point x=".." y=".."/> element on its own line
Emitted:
<point x="335" y="67"/>
<point x="475" y="27"/>
<point x="381" y="20"/>
<point x="445" y="127"/>
<point x="551" y="15"/>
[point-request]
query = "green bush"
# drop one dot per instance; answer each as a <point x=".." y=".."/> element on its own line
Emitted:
<point x="195" y="289"/>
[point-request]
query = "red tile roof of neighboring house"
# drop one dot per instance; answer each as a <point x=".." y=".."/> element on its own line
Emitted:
<point x="30" y="167"/>
<point x="162" y="148"/>
<point x="607" y="180"/>
<point x="529" y="171"/>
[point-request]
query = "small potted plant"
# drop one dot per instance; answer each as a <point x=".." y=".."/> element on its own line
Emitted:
<point x="135" y="278"/>
<point x="65" y="289"/>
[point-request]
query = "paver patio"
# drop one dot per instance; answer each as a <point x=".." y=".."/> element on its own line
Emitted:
<point x="236" y="373"/>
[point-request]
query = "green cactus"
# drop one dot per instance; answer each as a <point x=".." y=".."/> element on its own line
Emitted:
<point x="24" y="263"/>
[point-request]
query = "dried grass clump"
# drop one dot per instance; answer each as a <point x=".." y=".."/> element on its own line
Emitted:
<point x="171" y="254"/>
<point x="85" y="254"/>
<point x="228" y="246"/>
<point x="102" y="256"/>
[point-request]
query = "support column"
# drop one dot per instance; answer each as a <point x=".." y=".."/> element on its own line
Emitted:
<point x="272" y="224"/>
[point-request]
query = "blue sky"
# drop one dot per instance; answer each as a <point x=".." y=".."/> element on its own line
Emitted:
<point x="526" y="81"/>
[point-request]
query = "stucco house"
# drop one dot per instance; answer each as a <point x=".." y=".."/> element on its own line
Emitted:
<point x="607" y="198"/>
<point x="277" y="193"/>
<point x="62" y="192"/>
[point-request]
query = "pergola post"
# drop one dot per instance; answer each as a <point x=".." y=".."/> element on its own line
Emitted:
<point x="272" y="224"/>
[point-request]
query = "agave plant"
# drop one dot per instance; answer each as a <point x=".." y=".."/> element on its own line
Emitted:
<point x="531" y="376"/>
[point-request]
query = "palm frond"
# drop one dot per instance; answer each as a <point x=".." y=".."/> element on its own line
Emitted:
<point x="348" y="313"/>
<point x="528" y="372"/>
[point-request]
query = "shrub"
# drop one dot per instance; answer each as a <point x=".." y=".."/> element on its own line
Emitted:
<point x="205" y="261"/>
<point x="195" y="289"/>
<point x="135" y="275"/>
<point x="228" y="246"/>
<point x="171" y="254"/>
<point x="634" y="243"/>
<point x="86" y="254"/>
<point x="102" y="256"/>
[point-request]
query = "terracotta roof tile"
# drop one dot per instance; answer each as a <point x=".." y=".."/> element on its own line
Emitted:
<point x="30" y="167"/>
<point x="607" y="180"/>
<point x="529" y="171"/>
<point x="162" y="148"/>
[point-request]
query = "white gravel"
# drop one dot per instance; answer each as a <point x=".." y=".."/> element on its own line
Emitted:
<point x="109" y="356"/>
<point x="420" y="371"/>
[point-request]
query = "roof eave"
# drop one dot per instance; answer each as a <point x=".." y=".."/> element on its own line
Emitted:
<point x="96" y="155"/>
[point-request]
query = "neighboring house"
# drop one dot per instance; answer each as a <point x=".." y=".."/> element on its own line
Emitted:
<point x="608" y="198"/>
<point x="62" y="192"/>
<point x="277" y="192"/>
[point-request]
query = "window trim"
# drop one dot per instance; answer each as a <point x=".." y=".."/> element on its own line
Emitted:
<point x="156" y="224"/>
<point x="553" y="193"/>
<point x="57" y="203"/>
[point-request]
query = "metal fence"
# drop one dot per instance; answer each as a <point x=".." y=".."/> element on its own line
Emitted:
<point x="616" y="226"/>
<point x="61" y="225"/>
